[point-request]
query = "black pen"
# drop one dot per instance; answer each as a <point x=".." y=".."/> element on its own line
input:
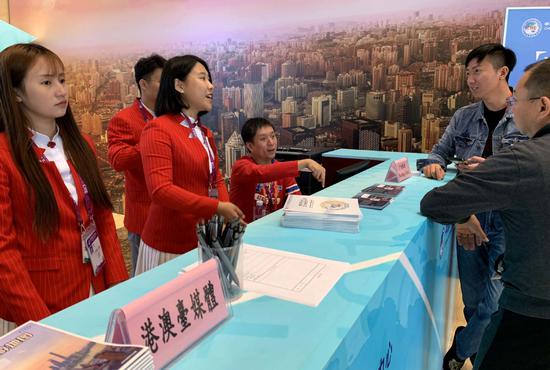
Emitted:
<point x="213" y="230"/>
<point x="203" y="245"/>
<point x="220" y="226"/>
<point x="227" y="236"/>
<point x="225" y="261"/>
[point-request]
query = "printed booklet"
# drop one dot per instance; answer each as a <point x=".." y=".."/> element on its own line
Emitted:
<point x="37" y="346"/>
<point x="323" y="213"/>
<point x="373" y="201"/>
<point x="384" y="189"/>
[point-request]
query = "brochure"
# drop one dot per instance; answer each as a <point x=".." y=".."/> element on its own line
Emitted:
<point x="37" y="346"/>
<point x="373" y="201"/>
<point x="322" y="213"/>
<point x="384" y="189"/>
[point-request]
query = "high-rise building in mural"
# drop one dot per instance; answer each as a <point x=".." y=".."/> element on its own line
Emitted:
<point x="404" y="140"/>
<point x="253" y="100"/>
<point x="345" y="99"/>
<point x="232" y="98"/>
<point x="234" y="149"/>
<point x="321" y="107"/>
<point x="289" y="105"/>
<point x="375" y="107"/>
<point x="430" y="132"/>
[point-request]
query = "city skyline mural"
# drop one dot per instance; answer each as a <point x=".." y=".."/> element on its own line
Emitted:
<point x="354" y="74"/>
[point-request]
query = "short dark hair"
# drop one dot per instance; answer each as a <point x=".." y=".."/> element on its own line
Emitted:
<point x="168" y="99"/>
<point x="499" y="56"/>
<point x="146" y="66"/>
<point x="538" y="82"/>
<point x="251" y="126"/>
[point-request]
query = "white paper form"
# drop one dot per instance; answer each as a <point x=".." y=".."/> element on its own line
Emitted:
<point x="290" y="276"/>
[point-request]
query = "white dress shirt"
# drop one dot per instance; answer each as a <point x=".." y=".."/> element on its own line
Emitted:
<point x="205" y="143"/>
<point x="57" y="156"/>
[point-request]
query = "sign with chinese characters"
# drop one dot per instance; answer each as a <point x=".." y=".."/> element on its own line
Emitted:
<point x="399" y="170"/>
<point x="527" y="33"/>
<point x="174" y="316"/>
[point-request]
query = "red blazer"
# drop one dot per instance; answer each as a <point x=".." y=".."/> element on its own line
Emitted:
<point x="247" y="176"/>
<point x="123" y="136"/>
<point x="177" y="176"/>
<point x="36" y="278"/>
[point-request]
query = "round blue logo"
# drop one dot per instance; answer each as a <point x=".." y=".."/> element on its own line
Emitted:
<point x="531" y="27"/>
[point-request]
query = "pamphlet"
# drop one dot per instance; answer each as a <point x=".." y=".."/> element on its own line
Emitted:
<point x="373" y="201"/>
<point x="37" y="346"/>
<point x="384" y="189"/>
<point x="323" y="213"/>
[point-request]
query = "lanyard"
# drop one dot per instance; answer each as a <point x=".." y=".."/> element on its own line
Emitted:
<point x="87" y="200"/>
<point x="144" y="112"/>
<point x="273" y="194"/>
<point x="208" y="148"/>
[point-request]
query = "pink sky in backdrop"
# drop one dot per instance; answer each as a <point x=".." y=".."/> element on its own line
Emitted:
<point x="109" y="23"/>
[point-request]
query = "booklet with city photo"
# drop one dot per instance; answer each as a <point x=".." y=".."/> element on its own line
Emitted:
<point x="37" y="346"/>
<point x="384" y="189"/>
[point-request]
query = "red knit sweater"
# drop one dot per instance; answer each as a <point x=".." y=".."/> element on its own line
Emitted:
<point x="176" y="168"/>
<point x="247" y="179"/>
<point x="123" y="137"/>
<point x="37" y="278"/>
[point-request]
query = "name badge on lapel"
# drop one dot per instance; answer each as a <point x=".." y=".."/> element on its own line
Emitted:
<point x="213" y="193"/>
<point x="92" y="248"/>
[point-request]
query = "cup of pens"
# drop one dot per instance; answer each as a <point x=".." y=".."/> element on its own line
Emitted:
<point x="223" y="241"/>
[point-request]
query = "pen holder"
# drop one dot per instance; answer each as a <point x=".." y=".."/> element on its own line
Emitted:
<point x="230" y="260"/>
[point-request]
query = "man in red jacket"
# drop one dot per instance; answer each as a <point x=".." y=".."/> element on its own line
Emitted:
<point x="259" y="177"/>
<point x="123" y="134"/>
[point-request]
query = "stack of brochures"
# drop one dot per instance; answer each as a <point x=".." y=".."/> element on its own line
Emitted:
<point x="312" y="212"/>
<point x="378" y="196"/>
<point x="37" y="346"/>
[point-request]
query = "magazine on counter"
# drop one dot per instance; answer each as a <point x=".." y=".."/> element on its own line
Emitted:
<point x="37" y="346"/>
<point x="328" y="207"/>
<point x="322" y="213"/>
<point x="384" y="189"/>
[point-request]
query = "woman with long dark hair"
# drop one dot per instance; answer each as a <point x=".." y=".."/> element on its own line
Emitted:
<point x="58" y="242"/>
<point x="180" y="162"/>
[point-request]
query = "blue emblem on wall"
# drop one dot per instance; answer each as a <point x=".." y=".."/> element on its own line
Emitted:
<point x="531" y="27"/>
<point x="527" y="33"/>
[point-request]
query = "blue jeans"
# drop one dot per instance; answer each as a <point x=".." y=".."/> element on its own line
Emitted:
<point x="134" y="240"/>
<point x="480" y="290"/>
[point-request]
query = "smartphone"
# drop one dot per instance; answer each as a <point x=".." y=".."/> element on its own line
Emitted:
<point x="457" y="160"/>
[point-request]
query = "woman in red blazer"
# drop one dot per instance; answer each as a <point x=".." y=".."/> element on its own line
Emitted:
<point x="50" y="190"/>
<point x="180" y="163"/>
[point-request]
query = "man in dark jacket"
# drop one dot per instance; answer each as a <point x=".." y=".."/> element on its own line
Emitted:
<point x="515" y="181"/>
<point x="475" y="132"/>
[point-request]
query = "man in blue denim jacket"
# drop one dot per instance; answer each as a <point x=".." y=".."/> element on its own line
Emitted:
<point x="515" y="181"/>
<point x="475" y="132"/>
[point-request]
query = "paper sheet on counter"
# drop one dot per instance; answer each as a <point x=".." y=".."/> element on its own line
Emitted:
<point x="290" y="276"/>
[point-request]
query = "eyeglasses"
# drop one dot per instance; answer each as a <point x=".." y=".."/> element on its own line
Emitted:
<point x="512" y="100"/>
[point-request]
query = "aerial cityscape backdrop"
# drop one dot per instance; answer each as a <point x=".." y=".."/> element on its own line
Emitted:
<point x="353" y="74"/>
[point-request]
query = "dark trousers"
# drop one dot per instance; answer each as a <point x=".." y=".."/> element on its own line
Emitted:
<point x="513" y="341"/>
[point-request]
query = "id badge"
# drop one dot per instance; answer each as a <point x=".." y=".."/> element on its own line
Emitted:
<point x="213" y="193"/>
<point x="91" y="242"/>
<point x="85" y="256"/>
